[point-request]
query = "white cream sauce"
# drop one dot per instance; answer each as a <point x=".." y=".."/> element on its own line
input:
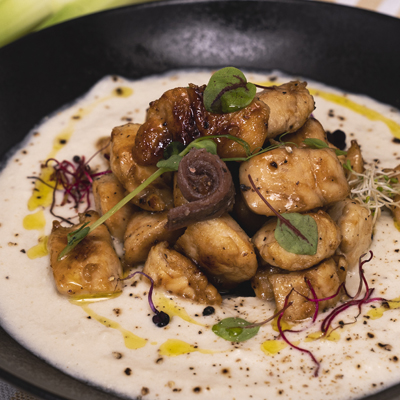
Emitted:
<point x="361" y="358"/>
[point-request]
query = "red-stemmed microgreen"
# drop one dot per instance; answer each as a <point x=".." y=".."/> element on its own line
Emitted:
<point x="296" y="233"/>
<point x="160" y="318"/>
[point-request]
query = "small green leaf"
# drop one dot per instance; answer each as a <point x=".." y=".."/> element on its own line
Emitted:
<point x="292" y="242"/>
<point x="171" y="164"/>
<point x="228" y="91"/>
<point x="347" y="165"/>
<point x="207" y="144"/>
<point x="74" y="238"/>
<point x="172" y="149"/>
<point x="233" y="329"/>
<point x="320" y="144"/>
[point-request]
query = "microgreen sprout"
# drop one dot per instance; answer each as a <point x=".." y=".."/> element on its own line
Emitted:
<point x="160" y="318"/>
<point x="375" y="187"/>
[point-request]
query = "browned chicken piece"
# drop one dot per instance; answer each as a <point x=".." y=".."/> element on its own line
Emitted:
<point x="179" y="276"/>
<point x="155" y="197"/>
<point x="92" y="268"/>
<point x="260" y="283"/>
<point x="355" y="157"/>
<point x="325" y="278"/>
<point x="355" y="223"/>
<point x="108" y="191"/>
<point x="222" y="249"/>
<point x="275" y="255"/>
<point x="144" y="230"/>
<point x="290" y="106"/>
<point x="179" y="115"/>
<point x="293" y="180"/>
<point x="104" y="146"/>
<point x="312" y="129"/>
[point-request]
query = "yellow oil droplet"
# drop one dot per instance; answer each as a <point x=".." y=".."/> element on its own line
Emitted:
<point x="359" y="109"/>
<point x="175" y="347"/>
<point x="271" y="347"/>
<point x="172" y="309"/>
<point x="40" y="250"/>
<point x="43" y="192"/>
<point x="86" y="299"/>
<point x="376" y="313"/>
<point x="35" y="221"/>
<point x="332" y="336"/>
<point x="395" y="303"/>
<point x="131" y="341"/>
<point x="352" y="105"/>
<point x="397" y="225"/>
<point x="285" y="326"/>
<point x="123" y="91"/>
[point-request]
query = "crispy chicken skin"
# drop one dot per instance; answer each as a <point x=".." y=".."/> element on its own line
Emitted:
<point x="325" y="279"/>
<point x="108" y="191"/>
<point x="297" y="180"/>
<point x="179" y="115"/>
<point x="222" y="249"/>
<point x="155" y="197"/>
<point x="290" y="106"/>
<point x="179" y="276"/>
<point x="355" y="223"/>
<point x="275" y="255"/>
<point x="92" y="268"/>
<point x="144" y="230"/>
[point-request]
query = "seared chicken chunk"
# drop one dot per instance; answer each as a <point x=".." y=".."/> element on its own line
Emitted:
<point x="179" y="115"/>
<point x="155" y="197"/>
<point x="293" y="180"/>
<point x="312" y="129"/>
<point x="272" y="252"/>
<point x="92" y="268"/>
<point x="260" y="283"/>
<point x="355" y="223"/>
<point x="179" y="276"/>
<point x="144" y="230"/>
<point x="290" y="106"/>
<point x="222" y="249"/>
<point x="325" y="278"/>
<point x="107" y="192"/>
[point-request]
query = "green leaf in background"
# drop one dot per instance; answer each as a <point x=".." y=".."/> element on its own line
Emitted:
<point x="292" y="242"/>
<point x="207" y="144"/>
<point x="228" y="91"/>
<point x="172" y="164"/>
<point x="232" y="329"/>
<point x="319" y="144"/>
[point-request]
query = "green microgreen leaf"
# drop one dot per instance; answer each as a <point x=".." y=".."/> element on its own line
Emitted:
<point x="174" y="148"/>
<point x="171" y="164"/>
<point x="320" y="144"/>
<point x="347" y="165"/>
<point x="233" y="329"/>
<point x="290" y="241"/>
<point x="74" y="238"/>
<point x="202" y="143"/>
<point x="228" y="91"/>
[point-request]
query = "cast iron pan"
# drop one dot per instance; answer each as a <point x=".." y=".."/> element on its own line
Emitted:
<point x="349" y="48"/>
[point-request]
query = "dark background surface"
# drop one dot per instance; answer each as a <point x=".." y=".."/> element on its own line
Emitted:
<point x="349" y="48"/>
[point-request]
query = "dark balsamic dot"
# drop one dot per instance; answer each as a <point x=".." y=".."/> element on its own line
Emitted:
<point x="161" y="319"/>
<point x="76" y="159"/>
<point x="337" y="138"/>
<point x="208" y="311"/>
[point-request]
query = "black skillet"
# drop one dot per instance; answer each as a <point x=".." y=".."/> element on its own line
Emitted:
<point x="345" y="47"/>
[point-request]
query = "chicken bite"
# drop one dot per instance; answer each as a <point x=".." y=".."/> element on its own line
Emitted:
<point x="144" y="230"/>
<point x="312" y="129"/>
<point x="325" y="278"/>
<point x="293" y="180"/>
<point x="222" y="249"/>
<point x="271" y="251"/>
<point x="108" y="191"/>
<point x="355" y="223"/>
<point x="155" y="197"/>
<point x="290" y="106"/>
<point x="179" y="276"/>
<point x="92" y="268"/>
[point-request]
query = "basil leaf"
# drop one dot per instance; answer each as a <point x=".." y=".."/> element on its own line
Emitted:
<point x="232" y="329"/>
<point x="292" y="242"/>
<point x="171" y="164"/>
<point x="228" y="91"/>
<point x="74" y="238"/>
<point x="320" y="144"/>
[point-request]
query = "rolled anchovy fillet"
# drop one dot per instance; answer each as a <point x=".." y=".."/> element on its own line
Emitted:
<point x="206" y="183"/>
